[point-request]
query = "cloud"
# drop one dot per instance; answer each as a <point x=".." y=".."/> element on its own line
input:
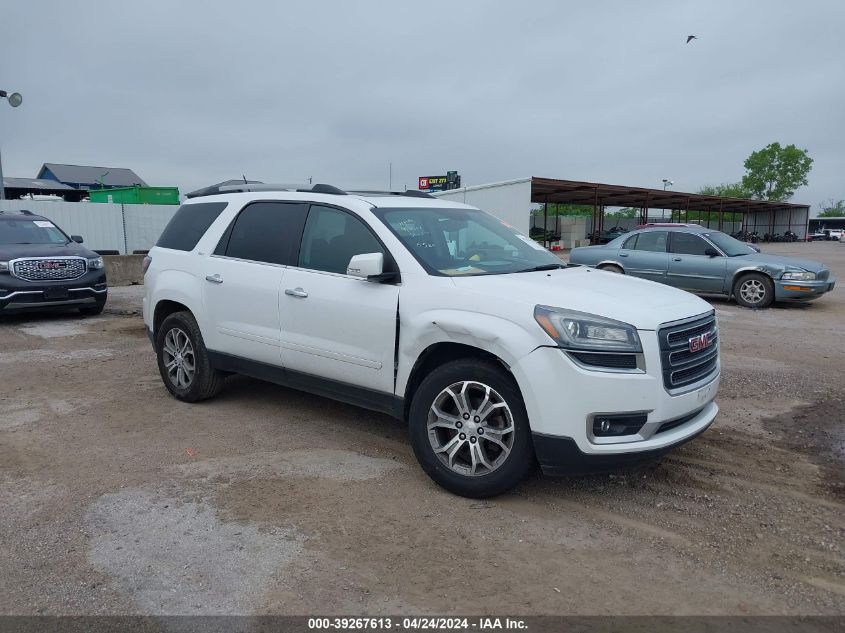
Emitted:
<point x="190" y="93"/>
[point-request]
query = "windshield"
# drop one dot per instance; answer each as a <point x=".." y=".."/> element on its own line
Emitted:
<point x="456" y="242"/>
<point x="26" y="231"/>
<point x="730" y="246"/>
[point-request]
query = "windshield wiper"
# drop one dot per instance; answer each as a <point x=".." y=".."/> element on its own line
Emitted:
<point x="542" y="267"/>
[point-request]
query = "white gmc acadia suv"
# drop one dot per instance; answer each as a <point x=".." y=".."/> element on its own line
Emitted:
<point x="493" y="351"/>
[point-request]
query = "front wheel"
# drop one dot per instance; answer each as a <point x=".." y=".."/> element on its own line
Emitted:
<point x="754" y="290"/>
<point x="469" y="429"/>
<point x="93" y="310"/>
<point x="183" y="360"/>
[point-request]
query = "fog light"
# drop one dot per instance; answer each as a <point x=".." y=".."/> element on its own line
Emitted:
<point x="618" y="424"/>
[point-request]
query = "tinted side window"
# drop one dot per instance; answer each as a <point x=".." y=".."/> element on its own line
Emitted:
<point x="654" y="241"/>
<point x="265" y="232"/>
<point x="332" y="237"/>
<point x="631" y="242"/>
<point x="189" y="224"/>
<point x="688" y="244"/>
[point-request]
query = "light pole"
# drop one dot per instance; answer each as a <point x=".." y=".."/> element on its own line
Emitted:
<point x="14" y="99"/>
<point x="666" y="183"/>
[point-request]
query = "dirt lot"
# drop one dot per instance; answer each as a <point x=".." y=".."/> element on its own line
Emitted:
<point x="116" y="498"/>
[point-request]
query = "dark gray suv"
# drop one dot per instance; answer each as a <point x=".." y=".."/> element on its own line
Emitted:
<point x="42" y="267"/>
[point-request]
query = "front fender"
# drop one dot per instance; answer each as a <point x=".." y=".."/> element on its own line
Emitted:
<point x="772" y="271"/>
<point x="505" y="339"/>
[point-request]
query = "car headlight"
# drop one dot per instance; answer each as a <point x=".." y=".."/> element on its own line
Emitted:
<point x="583" y="331"/>
<point x="798" y="275"/>
<point x="95" y="263"/>
<point x="4" y="267"/>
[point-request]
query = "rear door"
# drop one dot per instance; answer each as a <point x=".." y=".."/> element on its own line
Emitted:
<point x="336" y="326"/>
<point x="243" y="278"/>
<point x="644" y="255"/>
<point x="691" y="268"/>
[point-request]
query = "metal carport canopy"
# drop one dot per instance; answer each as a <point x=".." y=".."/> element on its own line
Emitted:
<point x="600" y="194"/>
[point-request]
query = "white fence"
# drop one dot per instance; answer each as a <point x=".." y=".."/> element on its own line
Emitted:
<point x="115" y="227"/>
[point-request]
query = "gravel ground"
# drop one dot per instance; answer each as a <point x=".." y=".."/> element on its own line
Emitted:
<point x="118" y="499"/>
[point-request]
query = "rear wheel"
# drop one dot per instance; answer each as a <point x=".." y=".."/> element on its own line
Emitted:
<point x="611" y="268"/>
<point x="754" y="290"/>
<point x="469" y="429"/>
<point x="183" y="360"/>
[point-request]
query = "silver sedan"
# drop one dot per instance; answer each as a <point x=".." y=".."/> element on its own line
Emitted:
<point x="702" y="260"/>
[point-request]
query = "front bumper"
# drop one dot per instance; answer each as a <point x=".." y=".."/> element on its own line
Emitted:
<point x="802" y="290"/>
<point x="562" y="400"/>
<point x="561" y="455"/>
<point x="17" y="294"/>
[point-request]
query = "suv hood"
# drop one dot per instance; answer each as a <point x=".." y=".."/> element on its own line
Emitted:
<point x="14" y="251"/>
<point x="782" y="261"/>
<point x="639" y="302"/>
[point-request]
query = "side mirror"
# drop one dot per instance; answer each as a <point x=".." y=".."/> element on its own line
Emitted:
<point x="77" y="238"/>
<point x="369" y="266"/>
<point x="711" y="252"/>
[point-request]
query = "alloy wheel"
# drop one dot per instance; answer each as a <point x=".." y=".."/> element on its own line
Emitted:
<point x="470" y="428"/>
<point x="752" y="291"/>
<point x="179" y="358"/>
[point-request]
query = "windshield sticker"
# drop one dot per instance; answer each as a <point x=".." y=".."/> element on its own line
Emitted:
<point x="43" y="224"/>
<point x="531" y="243"/>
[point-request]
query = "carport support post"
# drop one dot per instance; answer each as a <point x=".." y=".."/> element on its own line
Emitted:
<point x="545" y="221"/>
<point x="720" y="214"/>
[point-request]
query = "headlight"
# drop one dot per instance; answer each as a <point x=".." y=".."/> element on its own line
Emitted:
<point x="582" y="331"/>
<point x="4" y="267"/>
<point x="798" y="275"/>
<point x="95" y="264"/>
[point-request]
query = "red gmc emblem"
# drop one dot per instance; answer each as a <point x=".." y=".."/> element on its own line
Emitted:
<point x="50" y="265"/>
<point x="700" y="342"/>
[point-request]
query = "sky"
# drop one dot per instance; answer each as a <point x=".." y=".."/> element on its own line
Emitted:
<point x="189" y="93"/>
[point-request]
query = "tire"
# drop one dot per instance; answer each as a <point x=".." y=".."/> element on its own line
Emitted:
<point x="754" y="290"/>
<point x="179" y="340"/>
<point x="611" y="268"/>
<point x="93" y="310"/>
<point x="500" y="470"/>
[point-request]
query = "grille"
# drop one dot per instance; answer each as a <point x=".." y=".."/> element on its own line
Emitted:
<point x="50" y="269"/>
<point x="681" y="366"/>
<point x="610" y="361"/>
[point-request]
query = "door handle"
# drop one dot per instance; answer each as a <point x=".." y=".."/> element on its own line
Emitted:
<point x="215" y="278"/>
<point x="677" y="259"/>
<point x="296" y="292"/>
<point x="623" y="254"/>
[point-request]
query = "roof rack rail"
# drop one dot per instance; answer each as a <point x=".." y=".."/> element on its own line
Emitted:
<point x="260" y="186"/>
<point x="410" y="193"/>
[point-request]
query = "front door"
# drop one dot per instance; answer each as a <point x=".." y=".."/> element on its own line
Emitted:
<point x="333" y="325"/>
<point x="691" y="268"/>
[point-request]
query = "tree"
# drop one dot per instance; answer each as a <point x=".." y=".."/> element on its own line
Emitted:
<point x="775" y="172"/>
<point x="832" y="209"/>
<point x="726" y="190"/>
<point x="626" y="212"/>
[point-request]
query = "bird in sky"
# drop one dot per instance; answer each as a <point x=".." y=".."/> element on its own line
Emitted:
<point x="690" y="38"/>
